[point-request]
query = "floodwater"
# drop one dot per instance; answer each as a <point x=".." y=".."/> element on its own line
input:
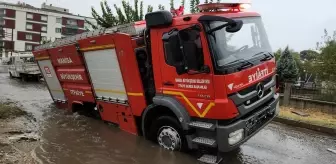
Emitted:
<point x="73" y="139"/>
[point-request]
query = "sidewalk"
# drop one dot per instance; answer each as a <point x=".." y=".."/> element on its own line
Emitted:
<point x="308" y="118"/>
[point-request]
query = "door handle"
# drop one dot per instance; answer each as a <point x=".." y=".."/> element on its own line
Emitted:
<point x="168" y="83"/>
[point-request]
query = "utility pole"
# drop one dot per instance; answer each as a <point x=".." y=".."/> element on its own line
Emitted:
<point x="40" y="36"/>
<point x="12" y="42"/>
<point x="2" y="32"/>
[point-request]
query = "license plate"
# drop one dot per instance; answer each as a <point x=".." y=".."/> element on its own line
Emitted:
<point x="257" y="121"/>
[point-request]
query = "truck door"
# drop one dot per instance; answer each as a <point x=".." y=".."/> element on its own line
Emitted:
<point x="193" y="89"/>
<point x="18" y="65"/>
<point x="12" y="66"/>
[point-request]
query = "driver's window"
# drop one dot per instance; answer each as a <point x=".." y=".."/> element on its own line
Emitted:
<point x="192" y="48"/>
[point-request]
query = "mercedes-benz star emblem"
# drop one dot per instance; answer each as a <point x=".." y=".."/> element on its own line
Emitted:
<point x="260" y="90"/>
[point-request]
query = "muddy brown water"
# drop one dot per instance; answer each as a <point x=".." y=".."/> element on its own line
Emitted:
<point x="73" y="139"/>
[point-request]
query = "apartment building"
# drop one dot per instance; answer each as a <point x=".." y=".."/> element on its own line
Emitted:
<point x="22" y="26"/>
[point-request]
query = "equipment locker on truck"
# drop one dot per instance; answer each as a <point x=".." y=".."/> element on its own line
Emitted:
<point x="198" y="81"/>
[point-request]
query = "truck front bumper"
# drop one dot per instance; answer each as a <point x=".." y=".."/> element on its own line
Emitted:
<point x="230" y="137"/>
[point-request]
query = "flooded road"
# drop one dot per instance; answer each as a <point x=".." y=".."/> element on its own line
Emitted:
<point x="73" y="139"/>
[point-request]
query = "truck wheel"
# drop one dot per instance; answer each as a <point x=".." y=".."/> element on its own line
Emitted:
<point x="169" y="134"/>
<point x="10" y="75"/>
<point x="24" y="78"/>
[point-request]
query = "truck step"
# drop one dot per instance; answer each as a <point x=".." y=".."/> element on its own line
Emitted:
<point x="202" y="125"/>
<point x="210" y="159"/>
<point x="205" y="141"/>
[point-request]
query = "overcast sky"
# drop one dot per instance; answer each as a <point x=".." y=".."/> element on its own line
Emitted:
<point x="297" y="23"/>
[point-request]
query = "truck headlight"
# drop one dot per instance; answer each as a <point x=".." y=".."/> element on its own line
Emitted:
<point x="236" y="136"/>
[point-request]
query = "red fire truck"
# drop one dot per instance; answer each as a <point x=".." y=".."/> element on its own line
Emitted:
<point x="198" y="81"/>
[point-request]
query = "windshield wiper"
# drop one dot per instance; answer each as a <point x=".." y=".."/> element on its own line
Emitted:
<point x="267" y="55"/>
<point x="244" y="63"/>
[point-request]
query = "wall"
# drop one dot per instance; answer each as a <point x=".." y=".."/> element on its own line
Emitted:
<point x="326" y="107"/>
<point x="20" y="21"/>
<point x="52" y="25"/>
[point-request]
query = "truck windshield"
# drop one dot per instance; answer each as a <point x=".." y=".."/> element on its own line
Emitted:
<point x="243" y="45"/>
<point x="27" y="59"/>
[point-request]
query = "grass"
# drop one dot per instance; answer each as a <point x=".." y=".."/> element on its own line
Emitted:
<point x="10" y="110"/>
<point x="315" y="117"/>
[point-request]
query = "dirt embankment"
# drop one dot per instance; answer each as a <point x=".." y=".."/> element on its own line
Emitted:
<point x="18" y="134"/>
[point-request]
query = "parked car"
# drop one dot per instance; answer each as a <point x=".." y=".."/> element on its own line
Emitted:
<point x="24" y="67"/>
<point x="5" y="61"/>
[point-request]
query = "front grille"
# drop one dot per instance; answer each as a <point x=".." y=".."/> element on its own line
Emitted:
<point x="232" y="121"/>
<point x="256" y="98"/>
<point x="253" y="87"/>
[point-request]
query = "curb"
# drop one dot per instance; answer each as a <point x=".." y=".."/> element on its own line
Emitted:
<point x="305" y="125"/>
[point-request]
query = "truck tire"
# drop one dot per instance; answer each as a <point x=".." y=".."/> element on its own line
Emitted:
<point x="24" y="78"/>
<point x="10" y="75"/>
<point x="168" y="134"/>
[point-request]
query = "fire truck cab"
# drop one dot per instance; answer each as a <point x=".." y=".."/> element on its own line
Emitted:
<point x="198" y="81"/>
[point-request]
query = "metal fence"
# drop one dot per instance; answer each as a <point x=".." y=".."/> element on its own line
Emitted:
<point x="320" y="94"/>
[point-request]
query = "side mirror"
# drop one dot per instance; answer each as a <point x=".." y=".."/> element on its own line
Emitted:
<point x="234" y="27"/>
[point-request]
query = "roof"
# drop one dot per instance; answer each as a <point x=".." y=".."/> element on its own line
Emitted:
<point x="42" y="9"/>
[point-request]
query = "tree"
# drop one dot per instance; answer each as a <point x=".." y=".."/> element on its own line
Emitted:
<point x="46" y="41"/>
<point x="161" y="7"/>
<point x="326" y="61"/>
<point x="124" y="14"/>
<point x="277" y="54"/>
<point x="141" y="14"/>
<point x="182" y="2"/>
<point x="171" y="4"/>
<point x="309" y="55"/>
<point x="192" y="6"/>
<point x="149" y="9"/>
<point x="286" y="67"/>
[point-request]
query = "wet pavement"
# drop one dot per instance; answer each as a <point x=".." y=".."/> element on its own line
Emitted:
<point x="73" y="139"/>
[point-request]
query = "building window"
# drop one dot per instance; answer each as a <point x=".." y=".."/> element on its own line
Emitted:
<point x="58" y="30"/>
<point x="3" y="12"/>
<point x="29" y="26"/>
<point x="72" y="22"/>
<point x="29" y="36"/>
<point x="44" y="18"/>
<point x="44" y="28"/>
<point x="3" y="22"/>
<point x="43" y="38"/>
<point x="69" y="31"/>
<point x="58" y="20"/>
<point x="29" y="16"/>
<point x="29" y="47"/>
